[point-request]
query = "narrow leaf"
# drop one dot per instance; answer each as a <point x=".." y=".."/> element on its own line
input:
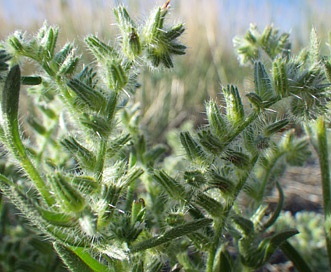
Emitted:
<point x="279" y="208"/>
<point x="223" y="261"/>
<point x="217" y="124"/>
<point x="83" y="254"/>
<point x="58" y="219"/>
<point x="170" y="185"/>
<point x="271" y="244"/>
<point x="263" y="86"/>
<point x="101" y="51"/>
<point x="294" y="256"/>
<point x="280" y="78"/>
<point x="31" y="80"/>
<point x="10" y="96"/>
<point x="244" y="225"/>
<point x="68" y="197"/>
<point x="87" y="95"/>
<point x="84" y="156"/>
<point x="171" y="234"/>
<point x="234" y="106"/>
<point x="213" y="207"/>
<point x="275" y="127"/>
<point x="193" y="150"/>
<point x="71" y="260"/>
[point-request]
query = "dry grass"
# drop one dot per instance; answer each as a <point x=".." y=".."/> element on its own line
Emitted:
<point x="167" y="99"/>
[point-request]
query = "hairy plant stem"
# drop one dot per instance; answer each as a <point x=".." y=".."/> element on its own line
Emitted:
<point x="101" y="159"/>
<point x="47" y="140"/>
<point x="241" y="127"/>
<point x="269" y="171"/>
<point x="19" y="151"/>
<point x="218" y="226"/>
<point x="219" y="223"/>
<point x="323" y="155"/>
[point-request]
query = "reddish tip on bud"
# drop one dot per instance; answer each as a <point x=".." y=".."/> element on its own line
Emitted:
<point x="166" y="5"/>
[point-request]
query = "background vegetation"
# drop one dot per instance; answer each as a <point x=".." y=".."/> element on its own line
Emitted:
<point x="210" y="28"/>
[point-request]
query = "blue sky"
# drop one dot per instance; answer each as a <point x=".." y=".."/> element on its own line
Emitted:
<point x="234" y="14"/>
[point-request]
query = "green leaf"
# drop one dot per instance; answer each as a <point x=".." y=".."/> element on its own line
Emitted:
<point x="247" y="46"/>
<point x="116" y="75"/>
<point x="10" y="100"/>
<point x="58" y="219"/>
<point x="87" y="96"/>
<point x="85" y="157"/>
<point x="217" y="124"/>
<point x="68" y="197"/>
<point x="263" y="85"/>
<point x="256" y="100"/>
<point x="16" y="42"/>
<point x="175" y="32"/>
<point x="170" y="185"/>
<point x="4" y="57"/>
<point x="31" y="80"/>
<point x="314" y="50"/>
<point x="209" y="204"/>
<point x="10" y="96"/>
<point x="216" y="180"/>
<point x="113" y="251"/>
<point x="273" y="218"/>
<point x="195" y="178"/>
<point x="37" y="127"/>
<point x="244" y="225"/>
<point x="152" y="155"/>
<point x="123" y="19"/>
<point x="234" y="107"/>
<point x="117" y="144"/>
<point x="271" y="244"/>
<point x="131" y="45"/>
<point x="66" y="60"/>
<point x="280" y="78"/>
<point x="275" y="127"/>
<point x="137" y="211"/>
<point x="102" y="52"/>
<point x="210" y="142"/>
<point x="94" y="264"/>
<point x="239" y="159"/>
<point x="161" y="45"/>
<point x="223" y="261"/>
<point x="85" y="184"/>
<point x="131" y="176"/>
<point x="154" y="26"/>
<point x="134" y="44"/>
<point x="98" y="124"/>
<point x="155" y="266"/>
<point x="294" y="256"/>
<point x="297" y="150"/>
<point x="51" y="39"/>
<point x="193" y="150"/>
<point x="171" y="234"/>
<point x="78" y="261"/>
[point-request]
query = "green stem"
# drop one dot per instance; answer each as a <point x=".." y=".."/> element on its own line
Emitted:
<point x="242" y="127"/>
<point x="101" y="159"/>
<point x="325" y="173"/>
<point x="218" y="226"/>
<point x="11" y="132"/>
<point x="46" y="140"/>
<point x="269" y="172"/>
<point x="130" y="196"/>
<point x="219" y="223"/>
<point x="18" y="149"/>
